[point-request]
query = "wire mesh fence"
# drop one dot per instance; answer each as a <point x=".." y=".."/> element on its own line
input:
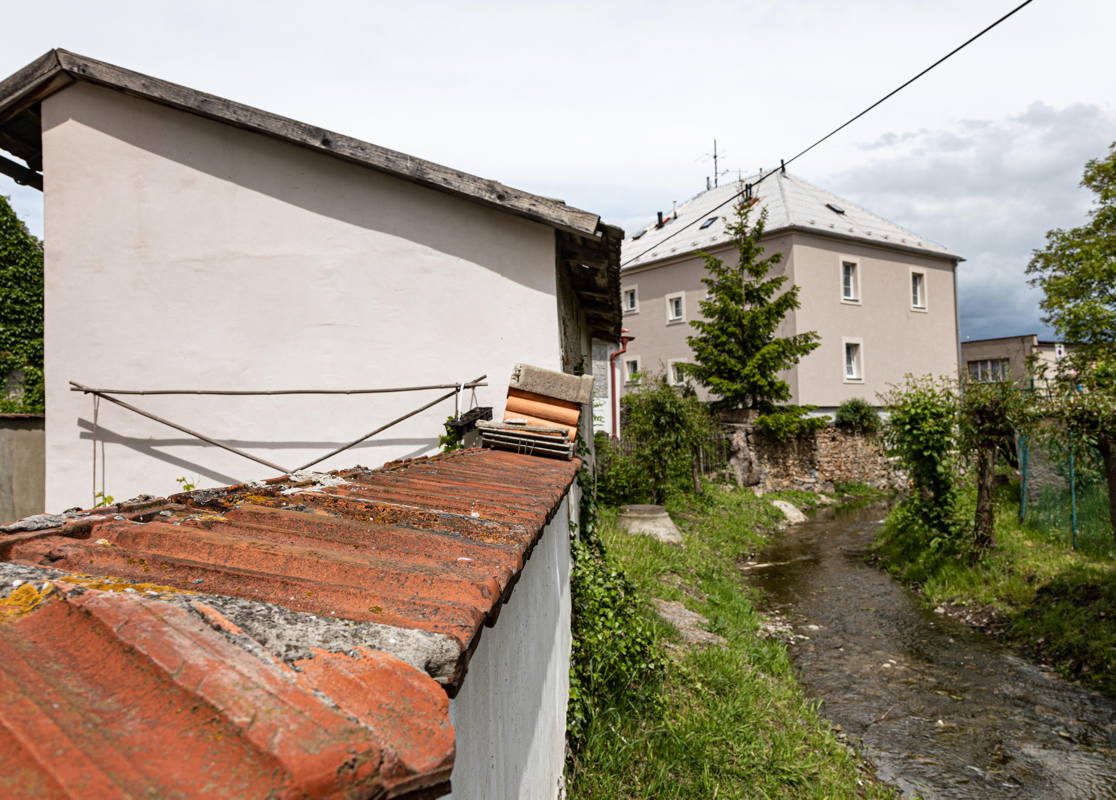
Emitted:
<point x="1062" y="494"/>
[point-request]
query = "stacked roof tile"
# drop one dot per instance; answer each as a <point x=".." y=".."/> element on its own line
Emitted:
<point x="293" y="638"/>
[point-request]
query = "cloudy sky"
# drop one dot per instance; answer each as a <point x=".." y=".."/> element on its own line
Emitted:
<point x="613" y="105"/>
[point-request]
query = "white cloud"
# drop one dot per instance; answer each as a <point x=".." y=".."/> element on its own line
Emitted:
<point x="988" y="189"/>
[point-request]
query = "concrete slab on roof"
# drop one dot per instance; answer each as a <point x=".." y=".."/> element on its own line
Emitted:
<point x="313" y="627"/>
<point x="791" y="203"/>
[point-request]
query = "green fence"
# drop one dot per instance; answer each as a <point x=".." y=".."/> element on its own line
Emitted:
<point x="1062" y="493"/>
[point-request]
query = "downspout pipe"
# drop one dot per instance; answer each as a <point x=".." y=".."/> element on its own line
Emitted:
<point x="614" y="396"/>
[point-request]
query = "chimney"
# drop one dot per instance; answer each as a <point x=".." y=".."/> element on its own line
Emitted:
<point x="660" y="220"/>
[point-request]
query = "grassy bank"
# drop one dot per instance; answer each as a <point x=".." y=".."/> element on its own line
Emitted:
<point x="727" y="720"/>
<point x="1032" y="589"/>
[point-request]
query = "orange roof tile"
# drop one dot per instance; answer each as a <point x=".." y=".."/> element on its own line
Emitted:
<point x="284" y="638"/>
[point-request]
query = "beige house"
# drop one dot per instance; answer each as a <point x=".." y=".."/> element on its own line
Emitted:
<point x="882" y="298"/>
<point x="1010" y="357"/>
<point x="195" y="243"/>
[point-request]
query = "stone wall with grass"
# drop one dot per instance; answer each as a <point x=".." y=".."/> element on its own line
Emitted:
<point x="814" y="462"/>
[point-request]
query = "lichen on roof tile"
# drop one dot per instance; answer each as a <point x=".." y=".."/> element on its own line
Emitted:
<point x="284" y="597"/>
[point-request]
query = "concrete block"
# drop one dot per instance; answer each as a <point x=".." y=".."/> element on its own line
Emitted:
<point x="651" y="521"/>
<point x="572" y="388"/>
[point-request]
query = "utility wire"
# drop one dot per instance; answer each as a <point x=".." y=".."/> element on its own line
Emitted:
<point x="783" y="164"/>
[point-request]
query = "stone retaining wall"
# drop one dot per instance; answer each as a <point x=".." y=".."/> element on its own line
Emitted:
<point x="814" y="462"/>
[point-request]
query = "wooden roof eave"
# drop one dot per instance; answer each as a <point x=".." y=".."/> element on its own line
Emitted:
<point x="58" y="68"/>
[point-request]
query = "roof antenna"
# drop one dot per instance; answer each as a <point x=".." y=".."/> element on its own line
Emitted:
<point x="717" y="157"/>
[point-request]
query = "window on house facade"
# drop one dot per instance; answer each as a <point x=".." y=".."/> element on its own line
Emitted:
<point x="631" y="370"/>
<point x="989" y="370"/>
<point x="631" y="301"/>
<point x="850" y="281"/>
<point x="675" y="374"/>
<point x="853" y="367"/>
<point x="918" y="290"/>
<point x="676" y="310"/>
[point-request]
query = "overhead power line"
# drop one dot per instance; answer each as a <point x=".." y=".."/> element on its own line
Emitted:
<point x="783" y="164"/>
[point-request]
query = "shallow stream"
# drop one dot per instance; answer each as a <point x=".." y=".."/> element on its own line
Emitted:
<point x="942" y="710"/>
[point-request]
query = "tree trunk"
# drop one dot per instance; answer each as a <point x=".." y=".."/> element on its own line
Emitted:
<point x="985" y="520"/>
<point x="1107" y="447"/>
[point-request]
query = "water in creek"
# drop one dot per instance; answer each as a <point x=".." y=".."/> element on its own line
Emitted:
<point x="942" y="710"/>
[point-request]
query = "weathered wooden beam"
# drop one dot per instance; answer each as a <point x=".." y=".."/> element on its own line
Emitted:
<point x="28" y="86"/>
<point x="417" y="170"/>
<point x="21" y="174"/>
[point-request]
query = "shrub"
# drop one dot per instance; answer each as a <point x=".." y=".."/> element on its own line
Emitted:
<point x="857" y="414"/>
<point x="922" y="432"/>
<point x="664" y="428"/>
<point x="789" y="422"/>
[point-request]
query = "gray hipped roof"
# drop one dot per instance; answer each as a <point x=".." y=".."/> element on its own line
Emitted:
<point x="791" y="204"/>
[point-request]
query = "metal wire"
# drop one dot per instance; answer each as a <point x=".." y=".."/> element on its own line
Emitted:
<point x="784" y="163"/>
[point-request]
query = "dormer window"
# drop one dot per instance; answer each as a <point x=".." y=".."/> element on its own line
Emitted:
<point x="707" y="223"/>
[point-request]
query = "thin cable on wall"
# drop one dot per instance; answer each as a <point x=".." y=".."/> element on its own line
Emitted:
<point x="783" y="164"/>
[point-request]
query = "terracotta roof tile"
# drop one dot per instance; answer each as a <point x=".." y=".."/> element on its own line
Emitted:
<point x="296" y="637"/>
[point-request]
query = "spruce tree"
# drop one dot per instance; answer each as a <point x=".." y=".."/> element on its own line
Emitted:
<point x="737" y="351"/>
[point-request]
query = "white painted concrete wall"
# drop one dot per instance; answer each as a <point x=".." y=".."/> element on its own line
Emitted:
<point x="184" y="253"/>
<point x="510" y="715"/>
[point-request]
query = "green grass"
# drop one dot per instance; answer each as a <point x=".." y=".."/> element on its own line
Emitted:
<point x="731" y="721"/>
<point x="1055" y="603"/>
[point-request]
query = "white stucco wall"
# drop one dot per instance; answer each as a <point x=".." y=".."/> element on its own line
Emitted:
<point x="510" y="715"/>
<point x="184" y="253"/>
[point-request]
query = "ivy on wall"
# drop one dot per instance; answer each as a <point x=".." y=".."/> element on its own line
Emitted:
<point x="21" y="316"/>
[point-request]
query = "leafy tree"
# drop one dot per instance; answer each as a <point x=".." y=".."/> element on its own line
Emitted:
<point x="737" y="351"/>
<point x="21" y="315"/>
<point x="1077" y="269"/>
<point x="990" y="414"/>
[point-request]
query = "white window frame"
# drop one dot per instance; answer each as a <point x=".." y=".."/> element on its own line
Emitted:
<point x="845" y="342"/>
<point x="857" y="294"/>
<point x="631" y="377"/>
<point x="635" y="296"/>
<point x="910" y="291"/>
<point x="681" y="298"/>
<point x="670" y="371"/>
<point x="988" y="370"/>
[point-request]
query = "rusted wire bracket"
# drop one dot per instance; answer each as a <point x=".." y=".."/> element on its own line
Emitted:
<point x="107" y="394"/>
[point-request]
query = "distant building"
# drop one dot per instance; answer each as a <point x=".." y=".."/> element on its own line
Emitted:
<point x="1009" y="357"/>
<point x="882" y="298"/>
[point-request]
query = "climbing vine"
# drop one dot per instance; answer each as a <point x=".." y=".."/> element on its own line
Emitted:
<point x="614" y="659"/>
<point x="21" y="316"/>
